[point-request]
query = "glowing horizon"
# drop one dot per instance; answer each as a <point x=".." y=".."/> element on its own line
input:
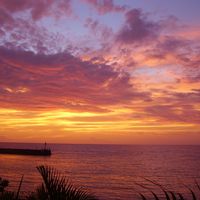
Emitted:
<point x="100" y="71"/>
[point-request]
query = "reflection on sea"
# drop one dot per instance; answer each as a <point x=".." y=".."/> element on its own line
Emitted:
<point x="109" y="171"/>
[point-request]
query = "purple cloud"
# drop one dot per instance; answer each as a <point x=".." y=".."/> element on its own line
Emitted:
<point x="174" y="113"/>
<point x="101" y="31"/>
<point x="61" y="80"/>
<point x="137" y="28"/>
<point x="37" y="8"/>
<point x="105" y="6"/>
<point x="5" y="17"/>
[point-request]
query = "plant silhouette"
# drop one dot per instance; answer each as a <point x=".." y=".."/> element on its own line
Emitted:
<point x="54" y="187"/>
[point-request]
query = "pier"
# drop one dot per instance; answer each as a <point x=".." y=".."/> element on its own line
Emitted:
<point x="34" y="152"/>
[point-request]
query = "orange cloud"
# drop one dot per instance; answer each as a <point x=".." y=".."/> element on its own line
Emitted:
<point x="135" y="84"/>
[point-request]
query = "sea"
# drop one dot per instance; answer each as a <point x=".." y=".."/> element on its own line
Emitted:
<point x="110" y="172"/>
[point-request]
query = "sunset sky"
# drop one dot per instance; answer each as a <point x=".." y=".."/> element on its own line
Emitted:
<point x="100" y="71"/>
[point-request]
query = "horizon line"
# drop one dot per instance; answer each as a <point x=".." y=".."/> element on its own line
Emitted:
<point x="113" y="144"/>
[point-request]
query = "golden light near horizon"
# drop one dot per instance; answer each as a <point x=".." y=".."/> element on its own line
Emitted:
<point x="63" y="124"/>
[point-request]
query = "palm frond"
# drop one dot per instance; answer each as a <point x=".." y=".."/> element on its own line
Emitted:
<point x="173" y="195"/>
<point x="193" y="194"/>
<point x="181" y="196"/>
<point x="142" y="196"/>
<point x="155" y="196"/>
<point x="197" y="184"/>
<point x="160" y="186"/>
<point x="59" y="188"/>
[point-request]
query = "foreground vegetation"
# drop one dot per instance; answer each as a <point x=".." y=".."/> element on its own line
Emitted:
<point x="57" y="187"/>
<point x="54" y="187"/>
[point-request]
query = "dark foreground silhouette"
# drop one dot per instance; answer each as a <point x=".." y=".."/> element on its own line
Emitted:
<point x="33" y="152"/>
<point x="58" y="187"/>
<point x="54" y="187"/>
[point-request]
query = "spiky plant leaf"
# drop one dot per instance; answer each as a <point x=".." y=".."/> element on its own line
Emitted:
<point x="193" y="194"/>
<point x="166" y="194"/>
<point x="19" y="188"/>
<point x="181" y="196"/>
<point x="197" y="184"/>
<point x="39" y="194"/>
<point x="161" y="187"/>
<point x="173" y="195"/>
<point x="155" y="196"/>
<point x="142" y="196"/>
<point x="59" y="188"/>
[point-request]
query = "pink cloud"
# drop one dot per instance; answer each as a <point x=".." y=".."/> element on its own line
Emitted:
<point x="62" y="81"/>
<point x="38" y="9"/>
<point x="174" y="113"/>
<point x="105" y="6"/>
<point x="177" y="51"/>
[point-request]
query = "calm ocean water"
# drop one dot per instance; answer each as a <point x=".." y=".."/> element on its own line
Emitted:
<point x="109" y="171"/>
